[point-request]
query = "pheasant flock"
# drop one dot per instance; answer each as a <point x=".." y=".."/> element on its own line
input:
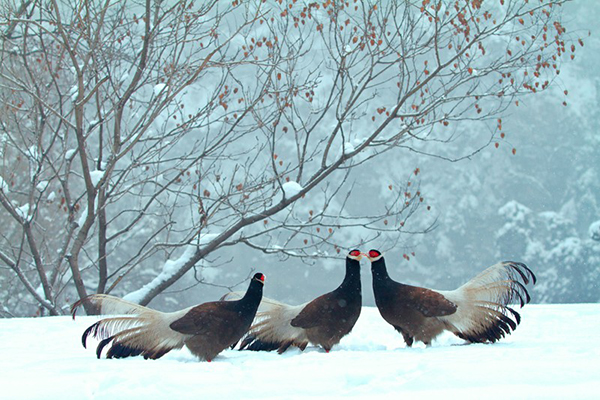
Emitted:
<point x="478" y="312"/>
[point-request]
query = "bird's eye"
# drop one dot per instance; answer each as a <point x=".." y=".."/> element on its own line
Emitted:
<point x="355" y="253"/>
<point x="374" y="253"/>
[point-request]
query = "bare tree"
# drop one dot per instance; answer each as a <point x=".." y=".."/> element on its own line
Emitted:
<point x="133" y="132"/>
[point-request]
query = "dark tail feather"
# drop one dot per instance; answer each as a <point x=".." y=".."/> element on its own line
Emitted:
<point x="92" y="330"/>
<point x="519" y="267"/>
<point x="102" y="344"/>
<point x="490" y="316"/>
<point x="81" y="302"/>
<point x="119" y="350"/>
<point x="507" y="322"/>
<point x="74" y="308"/>
<point x="157" y="354"/>
<point x="254" y="344"/>
<point x="247" y="340"/>
<point x="515" y="314"/>
<point x="285" y="345"/>
<point x="519" y="291"/>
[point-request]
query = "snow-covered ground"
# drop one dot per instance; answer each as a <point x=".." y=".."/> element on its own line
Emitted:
<point x="553" y="354"/>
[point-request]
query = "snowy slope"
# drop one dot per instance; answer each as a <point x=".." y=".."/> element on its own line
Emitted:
<point x="554" y="354"/>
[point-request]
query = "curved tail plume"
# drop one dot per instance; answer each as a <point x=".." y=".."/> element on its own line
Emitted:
<point x="272" y="329"/>
<point x="110" y="305"/>
<point x="141" y="331"/>
<point x="483" y="304"/>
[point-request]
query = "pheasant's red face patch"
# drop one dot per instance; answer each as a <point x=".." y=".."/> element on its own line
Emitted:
<point x="355" y="253"/>
<point x="374" y="253"/>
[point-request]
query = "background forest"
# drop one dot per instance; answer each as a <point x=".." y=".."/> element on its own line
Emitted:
<point x="165" y="151"/>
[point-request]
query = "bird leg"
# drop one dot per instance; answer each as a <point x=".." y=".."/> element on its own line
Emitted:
<point x="407" y="338"/>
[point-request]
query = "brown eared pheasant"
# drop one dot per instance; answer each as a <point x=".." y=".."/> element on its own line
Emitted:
<point x="322" y="321"/>
<point x="478" y="311"/>
<point x="205" y="329"/>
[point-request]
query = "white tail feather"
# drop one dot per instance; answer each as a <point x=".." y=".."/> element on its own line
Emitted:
<point x="483" y="312"/>
<point x="111" y="305"/>
<point x="266" y="303"/>
<point x="140" y="331"/>
<point x="272" y="329"/>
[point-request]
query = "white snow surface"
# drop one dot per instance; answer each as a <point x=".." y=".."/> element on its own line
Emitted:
<point x="553" y="354"/>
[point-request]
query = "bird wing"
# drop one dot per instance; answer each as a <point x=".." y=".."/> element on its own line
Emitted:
<point x="426" y="301"/>
<point x="203" y="318"/>
<point x="316" y="313"/>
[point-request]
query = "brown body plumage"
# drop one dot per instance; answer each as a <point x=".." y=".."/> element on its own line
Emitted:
<point x="478" y="311"/>
<point x="206" y="329"/>
<point x="323" y="321"/>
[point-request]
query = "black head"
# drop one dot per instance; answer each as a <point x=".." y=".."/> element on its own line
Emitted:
<point x="355" y="255"/>
<point x="374" y="255"/>
<point x="259" y="278"/>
